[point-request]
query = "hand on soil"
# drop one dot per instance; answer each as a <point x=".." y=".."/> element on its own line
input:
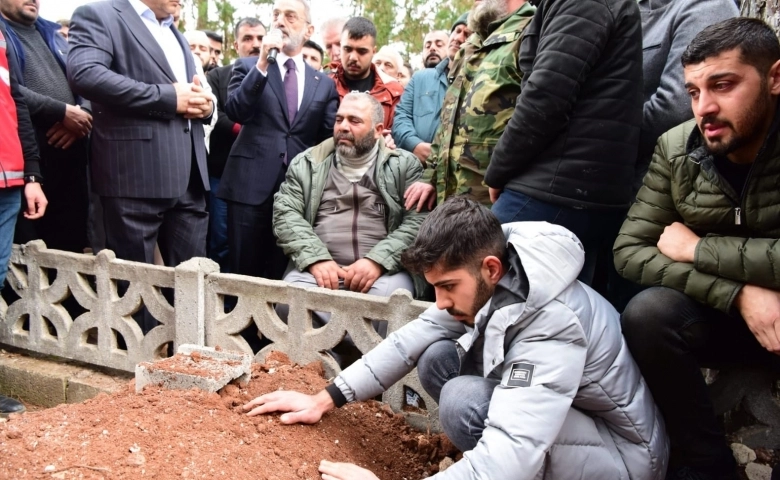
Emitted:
<point x="302" y="408"/>
<point x="344" y="471"/>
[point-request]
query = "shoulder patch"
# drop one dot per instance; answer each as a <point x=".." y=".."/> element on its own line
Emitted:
<point x="521" y="375"/>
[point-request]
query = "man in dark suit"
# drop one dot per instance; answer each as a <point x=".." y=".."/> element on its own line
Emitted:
<point x="249" y="33"/>
<point x="148" y="161"/>
<point x="284" y="108"/>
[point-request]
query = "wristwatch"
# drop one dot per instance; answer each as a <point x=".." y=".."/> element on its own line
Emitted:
<point x="32" y="179"/>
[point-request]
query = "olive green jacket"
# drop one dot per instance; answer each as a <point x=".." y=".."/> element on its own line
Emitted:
<point x="298" y="200"/>
<point x="739" y="233"/>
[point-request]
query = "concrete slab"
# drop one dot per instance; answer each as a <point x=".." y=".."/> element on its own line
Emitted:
<point x="193" y="366"/>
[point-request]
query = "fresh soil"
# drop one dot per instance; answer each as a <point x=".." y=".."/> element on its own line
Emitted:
<point x="189" y="434"/>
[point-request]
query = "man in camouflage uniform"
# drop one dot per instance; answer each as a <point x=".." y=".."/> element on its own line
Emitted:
<point x="484" y="84"/>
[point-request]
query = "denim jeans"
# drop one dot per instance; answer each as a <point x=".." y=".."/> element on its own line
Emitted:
<point x="671" y="336"/>
<point x="596" y="229"/>
<point x="218" y="241"/>
<point x="10" y="203"/>
<point x="463" y="400"/>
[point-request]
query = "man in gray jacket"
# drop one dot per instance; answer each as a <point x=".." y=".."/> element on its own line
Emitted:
<point x="339" y="214"/>
<point x="528" y="365"/>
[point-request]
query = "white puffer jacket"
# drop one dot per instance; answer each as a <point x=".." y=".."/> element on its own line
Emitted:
<point x="571" y="336"/>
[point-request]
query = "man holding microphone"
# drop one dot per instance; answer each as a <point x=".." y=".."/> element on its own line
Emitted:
<point x="284" y="107"/>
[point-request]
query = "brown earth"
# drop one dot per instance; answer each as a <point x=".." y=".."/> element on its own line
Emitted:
<point x="189" y="434"/>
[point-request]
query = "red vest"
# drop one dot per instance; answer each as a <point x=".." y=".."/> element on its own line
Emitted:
<point x="11" y="157"/>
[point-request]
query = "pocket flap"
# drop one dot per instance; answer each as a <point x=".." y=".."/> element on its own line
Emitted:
<point x="138" y="132"/>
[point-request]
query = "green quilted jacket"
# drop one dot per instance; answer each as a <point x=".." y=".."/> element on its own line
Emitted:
<point x="298" y="199"/>
<point x="739" y="233"/>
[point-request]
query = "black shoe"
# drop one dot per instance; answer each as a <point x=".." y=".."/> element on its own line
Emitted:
<point x="9" y="406"/>
<point x="688" y="473"/>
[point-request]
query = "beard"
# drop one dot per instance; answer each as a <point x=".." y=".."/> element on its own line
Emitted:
<point x="485" y="13"/>
<point x="481" y="297"/>
<point x="432" y="61"/>
<point x="359" y="148"/>
<point x="295" y="41"/>
<point x="750" y="125"/>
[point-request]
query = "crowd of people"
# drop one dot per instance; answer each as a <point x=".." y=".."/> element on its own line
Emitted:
<point x="586" y="188"/>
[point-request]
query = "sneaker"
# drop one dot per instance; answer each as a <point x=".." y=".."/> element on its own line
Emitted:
<point x="9" y="406"/>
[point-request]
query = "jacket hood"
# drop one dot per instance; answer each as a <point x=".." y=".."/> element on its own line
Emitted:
<point x="544" y="260"/>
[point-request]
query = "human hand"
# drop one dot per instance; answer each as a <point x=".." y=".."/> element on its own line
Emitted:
<point x="422" y="151"/>
<point x="760" y="307"/>
<point x="361" y="275"/>
<point x="389" y="142"/>
<point x="302" y="408"/>
<point x="327" y="274"/>
<point x="202" y="105"/>
<point x="60" y="137"/>
<point x="419" y="193"/>
<point x="678" y="242"/>
<point x="36" y="201"/>
<point x="344" y="471"/>
<point x="494" y="194"/>
<point x="274" y="39"/>
<point x="77" y="120"/>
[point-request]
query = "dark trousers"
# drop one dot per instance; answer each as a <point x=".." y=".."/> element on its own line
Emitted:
<point x="252" y="248"/>
<point x="64" y="226"/>
<point x="177" y="225"/>
<point x="671" y="337"/>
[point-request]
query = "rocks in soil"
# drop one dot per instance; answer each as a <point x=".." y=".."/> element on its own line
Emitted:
<point x="757" y="471"/>
<point x="743" y="454"/>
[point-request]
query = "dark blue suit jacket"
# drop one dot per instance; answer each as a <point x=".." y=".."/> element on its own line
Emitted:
<point x="259" y="104"/>
<point x="140" y="147"/>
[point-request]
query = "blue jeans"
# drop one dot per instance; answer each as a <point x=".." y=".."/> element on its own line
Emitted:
<point x="10" y="202"/>
<point x="218" y="242"/>
<point x="596" y="229"/>
<point x="463" y="400"/>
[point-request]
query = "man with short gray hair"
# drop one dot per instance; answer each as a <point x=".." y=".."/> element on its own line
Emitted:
<point x="338" y="215"/>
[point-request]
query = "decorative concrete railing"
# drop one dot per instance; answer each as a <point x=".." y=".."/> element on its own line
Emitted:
<point x="82" y="307"/>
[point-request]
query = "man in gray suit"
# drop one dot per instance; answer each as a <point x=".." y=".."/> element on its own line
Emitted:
<point x="148" y="153"/>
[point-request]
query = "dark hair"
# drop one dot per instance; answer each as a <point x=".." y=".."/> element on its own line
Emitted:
<point x="213" y="35"/>
<point x="315" y="46"/>
<point x="458" y="233"/>
<point x="250" y="22"/>
<point x="359" y="27"/>
<point x="756" y="41"/>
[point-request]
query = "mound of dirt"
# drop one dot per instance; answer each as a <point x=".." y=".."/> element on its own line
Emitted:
<point x="189" y="434"/>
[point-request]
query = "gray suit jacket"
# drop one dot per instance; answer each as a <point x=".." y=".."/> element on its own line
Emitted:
<point x="140" y="147"/>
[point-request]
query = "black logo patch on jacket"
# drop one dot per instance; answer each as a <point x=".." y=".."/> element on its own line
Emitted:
<point x="521" y="375"/>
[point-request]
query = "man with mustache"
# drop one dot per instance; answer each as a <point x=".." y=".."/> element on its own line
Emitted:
<point x="527" y="365"/>
<point x="484" y="83"/>
<point x="357" y="73"/>
<point x="417" y="116"/>
<point x="248" y="34"/>
<point x="434" y="48"/>
<point x="338" y="214"/>
<point x="284" y="107"/>
<point x="704" y="234"/>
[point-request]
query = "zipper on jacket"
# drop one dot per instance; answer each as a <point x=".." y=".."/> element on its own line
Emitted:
<point x="355" y="214"/>
<point x="737" y="216"/>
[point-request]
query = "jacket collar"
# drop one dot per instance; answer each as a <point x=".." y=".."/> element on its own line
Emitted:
<point x="505" y="29"/>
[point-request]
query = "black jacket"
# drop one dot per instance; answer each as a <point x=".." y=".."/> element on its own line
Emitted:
<point x="573" y="137"/>
<point x="222" y="137"/>
<point x="25" y="126"/>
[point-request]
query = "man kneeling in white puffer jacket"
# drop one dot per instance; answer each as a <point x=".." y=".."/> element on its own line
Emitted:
<point x="530" y="369"/>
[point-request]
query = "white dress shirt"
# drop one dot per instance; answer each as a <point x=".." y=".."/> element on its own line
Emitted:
<point x="161" y="31"/>
<point x="300" y="71"/>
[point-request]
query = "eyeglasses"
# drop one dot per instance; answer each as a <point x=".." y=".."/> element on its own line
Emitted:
<point x="290" y="16"/>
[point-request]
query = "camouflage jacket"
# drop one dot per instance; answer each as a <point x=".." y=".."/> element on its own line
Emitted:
<point x="484" y="86"/>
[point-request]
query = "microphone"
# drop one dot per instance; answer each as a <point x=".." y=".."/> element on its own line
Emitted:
<point x="272" y="53"/>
